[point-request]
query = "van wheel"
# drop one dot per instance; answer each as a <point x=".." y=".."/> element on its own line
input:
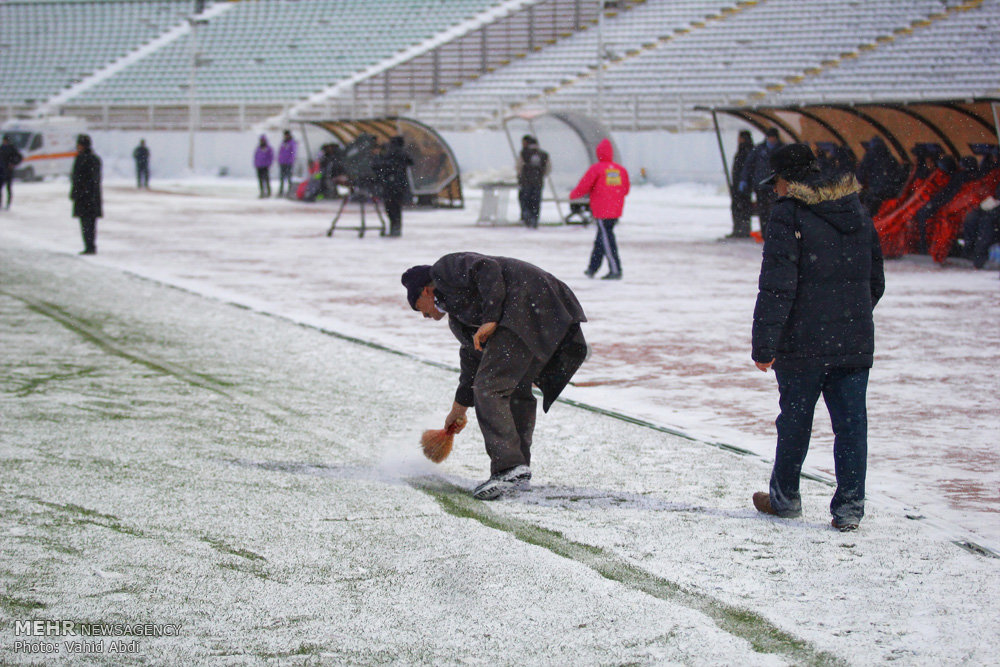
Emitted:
<point x="28" y="174"/>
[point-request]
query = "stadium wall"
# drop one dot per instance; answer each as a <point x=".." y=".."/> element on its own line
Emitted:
<point x="482" y="155"/>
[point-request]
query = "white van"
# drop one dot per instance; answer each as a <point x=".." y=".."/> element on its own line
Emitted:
<point x="48" y="145"/>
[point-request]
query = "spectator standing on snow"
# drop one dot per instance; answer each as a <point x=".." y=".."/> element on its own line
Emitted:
<point x="516" y="325"/>
<point x="606" y="183"/>
<point x="394" y="181"/>
<point x="86" y="192"/>
<point x="820" y="278"/>
<point x="879" y="174"/>
<point x="756" y="170"/>
<point x="263" y="158"/>
<point x="286" y="159"/>
<point x="740" y="200"/>
<point x="141" y="157"/>
<point x="10" y="157"/>
<point x="981" y="229"/>
<point x="533" y="165"/>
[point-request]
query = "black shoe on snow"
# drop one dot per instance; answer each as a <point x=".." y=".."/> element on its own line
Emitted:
<point x="504" y="483"/>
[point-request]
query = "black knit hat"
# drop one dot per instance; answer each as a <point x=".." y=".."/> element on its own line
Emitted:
<point x="415" y="279"/>
<point x="792" y="162"/>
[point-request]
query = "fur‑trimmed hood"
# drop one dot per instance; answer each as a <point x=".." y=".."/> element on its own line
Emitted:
<point x="810" y="194"/>
<point x="835" y="200"/>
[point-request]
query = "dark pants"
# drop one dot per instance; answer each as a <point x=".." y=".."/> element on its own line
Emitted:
<point x="530" y="197"/>
<point x="394" y="211"/>
<point x="264" y="181"/>
<point x="605" y="245"/>
<point x="88" y="228"/>
<point x="6" y="178"/>
<point x="505" y="406"/>
<point x="284" y="176"/>
<point x="142" y="176"/>
<point x="765" y="202"/>
<point x="741" y="208"/>
<point x="844" y="391"/>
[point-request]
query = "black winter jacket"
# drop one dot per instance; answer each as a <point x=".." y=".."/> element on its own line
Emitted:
<point x="820" y="278"/>
<point x="86" y="190"/>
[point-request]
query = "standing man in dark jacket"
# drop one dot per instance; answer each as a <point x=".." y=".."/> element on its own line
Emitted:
<point x="740" y="202"/>
<point x="10" y="157"/>
<point x="141" y="157"/>
<point x="394" y="181"/>
<point x="756" y="170"/>
<point x="879" y="173"/>
<point x="86" y="192"/>
<point x="516" y="325"/>
<point x="533" y="165"/>
<point x="820" y="278"/>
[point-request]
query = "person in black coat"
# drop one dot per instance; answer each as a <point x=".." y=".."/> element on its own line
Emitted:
<point x="394" y="182"/>
<point x="756" y="170"/>
<point x="820" y="278"/>
<point x="86" y="192"/>
<point x="740" y="200"/>
<point x="10" y="157"/>
<point x="516" y="325"/>
<point x="533" y="165"/>
<point x="880" y="174"/>
<point x="981" y="229"/>
<point x="141" y="157"/>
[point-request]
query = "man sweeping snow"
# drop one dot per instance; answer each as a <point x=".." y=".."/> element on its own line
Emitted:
<point x="517" y="325"/>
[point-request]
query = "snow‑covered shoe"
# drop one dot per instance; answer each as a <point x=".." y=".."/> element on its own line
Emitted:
<point x="844" y="525"/>
<point x="504" y="483"/>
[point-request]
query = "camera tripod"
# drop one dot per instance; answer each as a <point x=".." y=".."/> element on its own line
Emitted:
<point x="363" y="197"/>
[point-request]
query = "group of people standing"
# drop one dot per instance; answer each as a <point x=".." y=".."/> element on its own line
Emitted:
<point x="263" y="158"/>
<point x="821" y="276"/>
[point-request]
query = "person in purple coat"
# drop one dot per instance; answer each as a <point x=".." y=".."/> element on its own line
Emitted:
<point x="263" y="158"/>
<point x="286" y="158"/>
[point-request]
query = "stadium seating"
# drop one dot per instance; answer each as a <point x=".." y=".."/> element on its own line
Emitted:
<point x="467" y="63"/>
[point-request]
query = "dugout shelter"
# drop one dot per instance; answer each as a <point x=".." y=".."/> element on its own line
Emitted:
<point x="434" y="177"/>
<point x="955" y="125"/>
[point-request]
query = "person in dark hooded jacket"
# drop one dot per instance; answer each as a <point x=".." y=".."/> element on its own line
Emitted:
<point x="741" y="204"/>
<point x="821" y="276"/>
<point x="394" y="182"/>
<point x="879" y="173"/>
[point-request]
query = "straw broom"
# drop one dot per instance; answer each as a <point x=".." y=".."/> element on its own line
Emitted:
<point x="437" y="443"/>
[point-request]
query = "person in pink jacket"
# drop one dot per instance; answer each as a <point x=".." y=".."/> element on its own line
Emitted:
<point x="607" y="184"/>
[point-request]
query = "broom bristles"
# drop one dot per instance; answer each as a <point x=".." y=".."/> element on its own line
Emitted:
<point x="437" y="442"/>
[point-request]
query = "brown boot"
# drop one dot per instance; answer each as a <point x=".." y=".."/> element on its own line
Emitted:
<point x="762" y="501"/>
<point x="844" y="526"/>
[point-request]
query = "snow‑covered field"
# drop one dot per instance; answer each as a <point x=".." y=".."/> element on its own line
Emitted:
<point x="175" y="459"/>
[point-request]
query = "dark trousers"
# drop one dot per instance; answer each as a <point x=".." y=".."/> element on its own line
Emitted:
<point x="605" y="245"/>
<point x="844" y="391"/>
<point x="88" y="228"/>
<point x="741" y="208"/>
<point x="284" y="176"/>
<point x="765" y="202"/>
<point x="142" y="176"/>
<point x="505" y="406"/>
<point x="394" y="211"/>
<point x="530" y="197"/>
<point x="264" y="181"/>
<point x="6" y="178"/>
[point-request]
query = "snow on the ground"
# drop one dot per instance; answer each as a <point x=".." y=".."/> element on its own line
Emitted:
<point x="671" y="341"/>
<point x="170" y="459"/>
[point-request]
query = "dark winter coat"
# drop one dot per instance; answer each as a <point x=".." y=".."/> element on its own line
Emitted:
<point x="740" y="161"/>
<point x="532" y="167"/>
<point x="390" y="171"/>
<point x="820" y="278"/>
<point x="544" y="313"/>
<point x="878" y="171"/>
<point x="141" y="156"/>
<point x="758" y="166"/>
<point x="10" y="157"/>
<point x="86" y="186"/>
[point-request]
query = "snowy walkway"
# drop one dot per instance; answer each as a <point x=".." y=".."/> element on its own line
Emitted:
<point x="171" y="459"/>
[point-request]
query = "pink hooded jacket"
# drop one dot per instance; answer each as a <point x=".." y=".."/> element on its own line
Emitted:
<point x="606" y="182"/>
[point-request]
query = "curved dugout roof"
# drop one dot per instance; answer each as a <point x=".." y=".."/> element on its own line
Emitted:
<point x="434" y="175"/>
<point x="954" y="124"/>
